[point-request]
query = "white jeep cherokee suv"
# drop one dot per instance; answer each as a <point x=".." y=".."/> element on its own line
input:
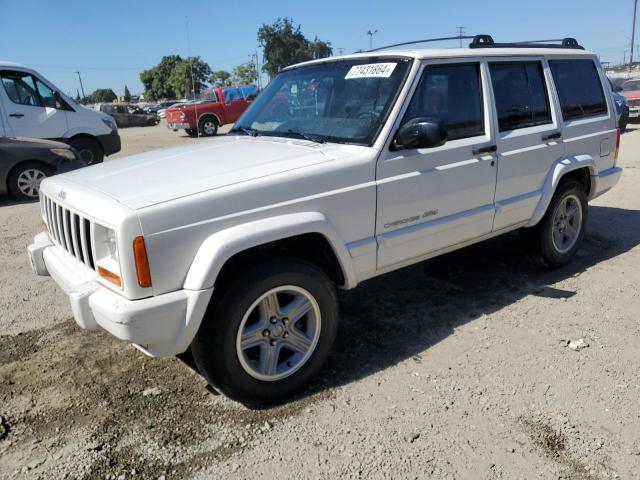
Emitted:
<point x="343" y="169"/>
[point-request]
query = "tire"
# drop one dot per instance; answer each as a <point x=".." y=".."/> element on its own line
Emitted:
<point x="88" y="149"/>
<point x="241" y="370"/>
<point x="24" y="180"/>
<point x="558" y="236"/>
<point x="192" y="132"/>
<point x="208" y="127"/>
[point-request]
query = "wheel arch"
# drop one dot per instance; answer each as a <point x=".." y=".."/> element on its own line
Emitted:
<point x="87" y="136"/>
<point x="580" y="167"/>
<point x="308" y="235"/>
<point x="209" y="114"/>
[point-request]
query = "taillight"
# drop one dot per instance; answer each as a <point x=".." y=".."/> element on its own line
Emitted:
<point x="615" y="157"/>
<point x="142" y="262"/>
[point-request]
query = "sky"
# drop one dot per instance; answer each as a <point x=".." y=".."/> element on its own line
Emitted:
<point x="111" y="41"/>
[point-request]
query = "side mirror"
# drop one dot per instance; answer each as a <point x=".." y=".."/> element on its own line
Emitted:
<point x="420" y="133"/>
<point x="617" y="88"/>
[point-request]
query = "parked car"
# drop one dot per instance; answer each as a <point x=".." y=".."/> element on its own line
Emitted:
<point x="622" y="107"/>
<point x="128" y="116"/>
<point x="224" y="105"/>
<point x="25" y="162"/>
<point x="232" y="251"/>
<point x="31" y="106"/>
<point x="631" y="91"/>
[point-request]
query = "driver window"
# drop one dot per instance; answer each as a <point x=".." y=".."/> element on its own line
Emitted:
<point x="21" y="88"/>
<point x="46" y="94"/>
<point x="451" y="95"/>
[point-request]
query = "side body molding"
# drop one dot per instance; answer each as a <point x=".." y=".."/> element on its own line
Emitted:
<point x="221" y="246"/>
<point x="560" y="168"/>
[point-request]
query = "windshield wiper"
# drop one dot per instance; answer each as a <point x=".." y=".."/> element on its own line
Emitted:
<point x="249" y="131"/>
<point x="306" y="136"/>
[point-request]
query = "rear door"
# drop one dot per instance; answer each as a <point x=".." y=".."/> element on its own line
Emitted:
<point x="433" y="198"/>
<point x="588" y="116"/>
<point x="529" y="136"/>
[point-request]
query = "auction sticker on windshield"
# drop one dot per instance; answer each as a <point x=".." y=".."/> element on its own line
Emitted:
<point x="381" y="70"/>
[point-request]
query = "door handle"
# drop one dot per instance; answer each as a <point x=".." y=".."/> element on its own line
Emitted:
<point x="16" y="115"/>
<point x="487" y="149"/>
<point x="552" y="136"/>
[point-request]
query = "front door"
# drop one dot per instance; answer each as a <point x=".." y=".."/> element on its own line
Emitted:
<point x="433" y="198"/>
<point x="234" y="104"/>
<point x="31" y="106"/>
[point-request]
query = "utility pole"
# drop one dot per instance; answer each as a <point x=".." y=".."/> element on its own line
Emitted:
<point x="633" y="33"/>
<point x="81" y="87"/>
<point x="340" y="50"/>
<point x="460" y="34"/>
<point x="371" y="34"/>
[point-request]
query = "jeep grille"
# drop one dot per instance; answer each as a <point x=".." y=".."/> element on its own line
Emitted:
<point x="69" y="230"/>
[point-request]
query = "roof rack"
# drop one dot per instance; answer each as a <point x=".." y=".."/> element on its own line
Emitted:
<point x="427" y="40"/>
<point x="486" y="41"/>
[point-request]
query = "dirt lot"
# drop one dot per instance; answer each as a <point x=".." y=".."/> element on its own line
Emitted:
<point x="454" y="368"/>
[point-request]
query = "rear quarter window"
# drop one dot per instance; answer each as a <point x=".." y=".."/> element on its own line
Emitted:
<point x="579" y="88"/>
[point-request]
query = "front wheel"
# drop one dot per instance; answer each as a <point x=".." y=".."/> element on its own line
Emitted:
<point x="24" y="181"/>
<point x="559" y="234"/>
<point x="192" y="132"/>
<point x="269" y="332"/>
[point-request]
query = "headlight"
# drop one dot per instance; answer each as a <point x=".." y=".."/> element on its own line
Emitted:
<point x="110" y="123"/>
<point x="64" y="153"/>
<point x="107" y="259"/>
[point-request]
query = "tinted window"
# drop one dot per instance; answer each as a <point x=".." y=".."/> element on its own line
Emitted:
<point x="20" y="88"/>
<point x="231" y="94"/>
<point x="631" y="86"/>
<point x="579" y="88"/>
<point x="521" y="95"/>
<point x="451" y="94"/>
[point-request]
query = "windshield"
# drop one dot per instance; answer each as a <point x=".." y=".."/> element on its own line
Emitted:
<point x="344" y="101"/>
<point x="629" y="86"/>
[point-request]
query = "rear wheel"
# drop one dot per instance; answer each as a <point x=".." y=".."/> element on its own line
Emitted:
<point x="88" y="150"/>
<point x="269" y="332"/>
<point x="559" y="234"/>
<point x="24" y="180"/>
<point x="208" y="126"/>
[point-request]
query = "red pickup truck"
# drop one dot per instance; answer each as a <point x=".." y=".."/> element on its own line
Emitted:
<point x="220" y="106"/>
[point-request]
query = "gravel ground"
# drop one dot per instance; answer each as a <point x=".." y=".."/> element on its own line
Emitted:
<point x="467" y="366"/>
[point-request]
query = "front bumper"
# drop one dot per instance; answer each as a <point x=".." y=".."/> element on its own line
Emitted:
<point x="160" y="326"/>
<point x="110" y="143"/>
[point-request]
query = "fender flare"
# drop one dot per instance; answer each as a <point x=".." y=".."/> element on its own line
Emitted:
<point x="556" y="172"/>
<point x="217" y="249"/>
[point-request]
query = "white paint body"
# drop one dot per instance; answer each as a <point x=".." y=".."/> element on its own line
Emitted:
<point x="198" y="205"/>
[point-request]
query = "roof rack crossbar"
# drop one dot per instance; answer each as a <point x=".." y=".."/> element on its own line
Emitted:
<point x="486" y="41"/>
<point x="427" y="40"/>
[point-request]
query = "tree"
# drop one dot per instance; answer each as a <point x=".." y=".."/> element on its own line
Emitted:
<point x="181" y="80"/>
<point x="285" y="44"/>
<point x="156" y="79"/>
<point x="244" y="74"/>
<point x="220" y="78"/>
<point x="101" y="95"/>
<point x="127" y="94"/>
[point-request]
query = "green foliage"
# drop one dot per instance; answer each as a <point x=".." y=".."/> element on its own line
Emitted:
<point x="156" y="79"/>
<point x="285" y="44"/>
<point x="101" y="95"/>
<point x="220" y="78"/>
<point x="181" y="80"/>
<point x="127" y="94"/>
<point x="244" y="74"/>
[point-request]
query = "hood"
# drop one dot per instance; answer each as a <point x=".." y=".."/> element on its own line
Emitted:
<point x="38" y="143"/>
<point x="158" y="176"/>
<point x="631" y="94"/>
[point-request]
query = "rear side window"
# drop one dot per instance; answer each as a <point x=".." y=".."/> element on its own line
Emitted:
<point x="579" y="88"/>
<point x="451" y="94"/>
<point x="521" y="95"/>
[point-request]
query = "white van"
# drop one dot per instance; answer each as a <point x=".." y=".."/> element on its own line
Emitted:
<point x="31" y="106"/>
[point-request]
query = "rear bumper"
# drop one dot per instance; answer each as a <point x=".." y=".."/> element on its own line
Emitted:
<point x="178" y="126"/>
<point x="110" y="143"/>
<point x="606" y="180"/>
<point x="163" y="325"/>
